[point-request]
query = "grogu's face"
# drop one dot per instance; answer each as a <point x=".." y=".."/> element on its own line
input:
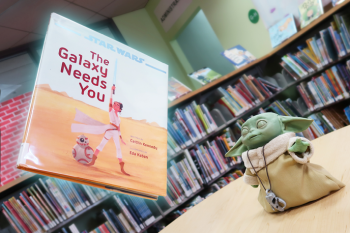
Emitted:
<point x="82" y="140"/>
<point x="260" y="129"/>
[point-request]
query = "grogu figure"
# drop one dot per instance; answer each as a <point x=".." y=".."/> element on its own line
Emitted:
<point x="82" y="152"/>
<point x="278" y="161"/>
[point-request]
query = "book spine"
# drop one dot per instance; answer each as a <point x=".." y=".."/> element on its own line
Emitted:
<point x="12" y="222"/>
<point x="211" y="163"/>
<point x="41" y="209"/>
<point x="136" y="209"/>
<point x="127" y="214"/>
<point x="193" y="124"/>
<point x="175" y="135"/>
<point x="43" y="206"/>
<point x="30" y="217"/>
<point x="339" y="81"/>
<point x="118" y="221"/>
<point x="186" y="176"/>
<point x="53" y="200"/>
<point x="22" y="215"/>
<point x="34" y="212"/>
<point x="175" y="185"/>
<point x="187" y="190"/>
<point x="66" y="187"/>
<point x="254" y="88"/>
<point x="109" y="220"/>
<point x="187" y="123"/>
<point x="183" y="124"/>
<point x="200" y="166"/>
<point x="211" y="174"/>
<point x="79" y="194"/>
<point x="324" y="90"/>
<point x="315" y="95"/>
<point x="125" y="223"/>
<point x="253" y="97"/>
<point x="49" y="206"/>
<point x="17" y="217"/>
<point x="319" y="93"/>
<point x="60" y="198"/>
<point x="193" y="166"/>
<point x="131" y="211"/>
<point x="305" y="98"/>
<point x="214" y="159"/>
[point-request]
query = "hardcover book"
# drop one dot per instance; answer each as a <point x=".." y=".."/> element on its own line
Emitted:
<point x="205" y="75"/>
<point x="238" y="56"/>
<point x="309" y="11"/>
<point x="98" y="114"/>
<point x="176" y="89"/>
<point x="282" y="30"/>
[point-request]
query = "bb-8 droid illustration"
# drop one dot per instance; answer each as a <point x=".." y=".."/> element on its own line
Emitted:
<point x="82" y="152"/>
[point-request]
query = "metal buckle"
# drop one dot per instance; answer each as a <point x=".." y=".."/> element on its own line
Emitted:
<point x="275" y="201"/>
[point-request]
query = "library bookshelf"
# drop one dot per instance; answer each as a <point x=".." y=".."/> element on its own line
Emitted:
<point x="266" y="65"/>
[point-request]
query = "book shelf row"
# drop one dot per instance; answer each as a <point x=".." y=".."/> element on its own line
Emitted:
<point x="259" y="61"/>
<point x="335" y="90"/>
<point x="330" y="44"/>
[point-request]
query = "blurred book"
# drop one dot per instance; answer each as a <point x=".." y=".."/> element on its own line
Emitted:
<point x="238" y="56"/>
<point x="309" y="11"/>
<point x="48" y="203"/>
<point x="337" y="2"/>
<point x="176" y="89"/>
<point x="282" y="30"/>
<point x="205" y="75"/>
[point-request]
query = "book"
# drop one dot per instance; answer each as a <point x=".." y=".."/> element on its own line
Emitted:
<point x="204" y="75"/>
<point x="282" y="30"/>
<point x="309" y="11"/>
<point x="176" y="89"/>
<point x="100" y="90"/>
<point x="238" y="56"/>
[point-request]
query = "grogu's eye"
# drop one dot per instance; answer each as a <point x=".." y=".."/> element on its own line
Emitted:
<point x="245" y="131"/>
<point x="82" y="139"/>
<point x="261" y="124"/>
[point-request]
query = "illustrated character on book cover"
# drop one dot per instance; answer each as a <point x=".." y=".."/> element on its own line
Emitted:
<point x="82" y="152"/>
<point x="279" y="162"/>
<point x="111" y="130"/>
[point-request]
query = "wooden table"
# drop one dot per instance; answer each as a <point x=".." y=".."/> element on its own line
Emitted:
<point x="235" y="208"/>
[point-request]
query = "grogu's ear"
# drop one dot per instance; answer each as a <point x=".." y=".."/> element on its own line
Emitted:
<point x="294" y="124"/>
<point x="237" y="149"/>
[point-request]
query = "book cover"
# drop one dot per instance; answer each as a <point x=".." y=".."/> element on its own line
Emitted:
<point x="238" y="56"/>
<point x="176" y="89"/>
<point x="309" y="11"/>
<point x="205" y="75"/>
<point x="98" y="114"/>
<point x="282" y="30"/>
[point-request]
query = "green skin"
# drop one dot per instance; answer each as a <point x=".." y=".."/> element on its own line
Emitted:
<point x="258" y="130"/>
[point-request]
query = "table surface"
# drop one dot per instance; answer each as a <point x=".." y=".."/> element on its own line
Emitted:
<point x="235" y="208"/>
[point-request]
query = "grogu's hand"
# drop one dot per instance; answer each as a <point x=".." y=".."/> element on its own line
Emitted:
<point x="255" y="186"/>
<point x="299" y="146"/>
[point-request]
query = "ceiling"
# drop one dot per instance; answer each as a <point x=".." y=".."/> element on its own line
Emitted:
<point x="24" y="21"/>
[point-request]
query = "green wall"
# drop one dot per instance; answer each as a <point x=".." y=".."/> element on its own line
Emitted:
<point x="141" y="34"/>
<point x="202" y="47"/>
<point x="228" y="18"/>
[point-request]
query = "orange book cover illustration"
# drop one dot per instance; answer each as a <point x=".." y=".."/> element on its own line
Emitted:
<point x="98" y="113"/>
